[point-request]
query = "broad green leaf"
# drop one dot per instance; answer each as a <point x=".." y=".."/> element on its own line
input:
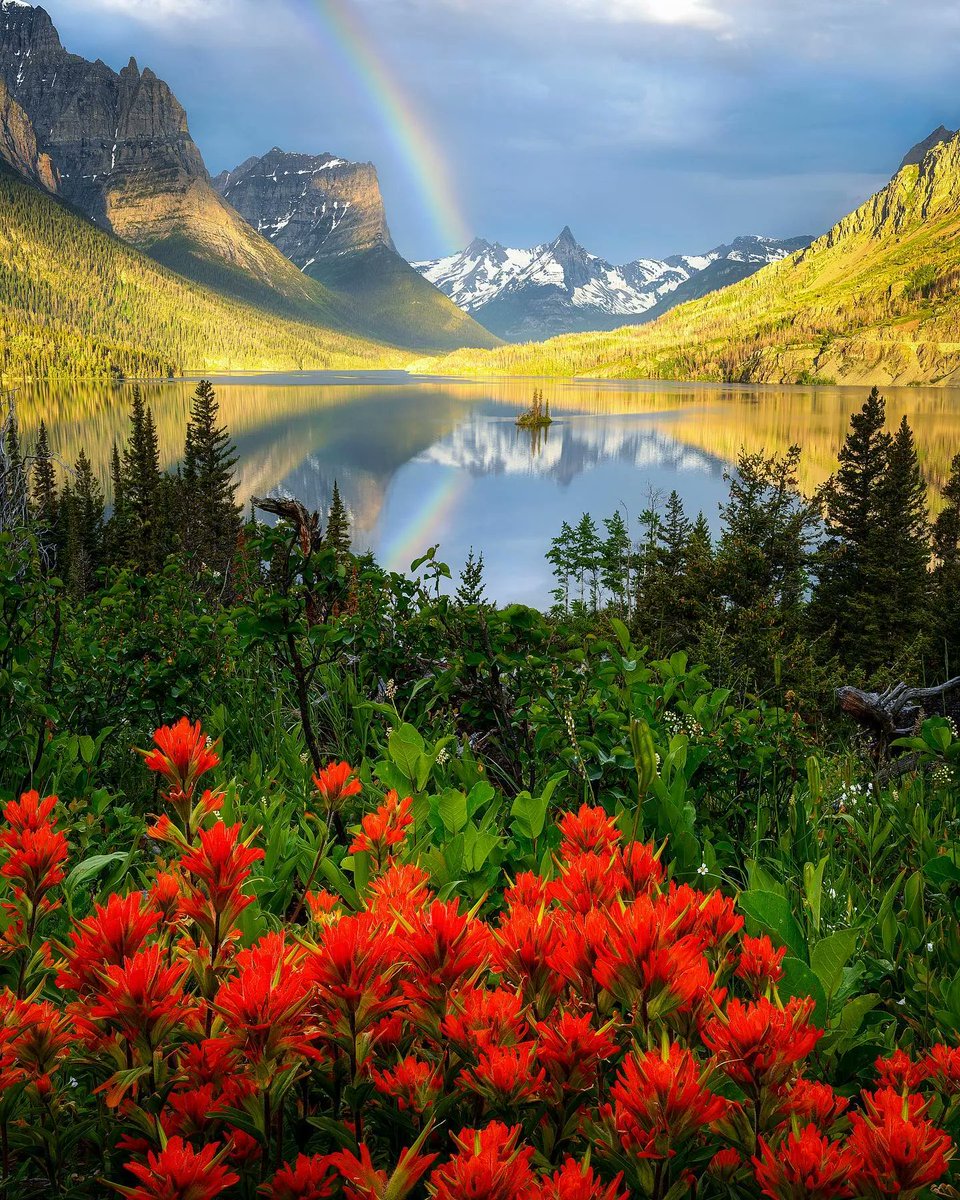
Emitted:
<point x="799" y="980"/>
<point x="406" y="745"/>
<point x="91" y="867"/>
<point x="452" y="807"/>
<point x="830" y="955"/>
<point x="942" y="870"/>
<point x="775" y="917"/>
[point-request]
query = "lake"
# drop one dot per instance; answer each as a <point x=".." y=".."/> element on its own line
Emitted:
<point x="424" y="461"/>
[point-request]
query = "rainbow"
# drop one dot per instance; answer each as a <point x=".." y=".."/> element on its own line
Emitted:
<point x="416" y="535"/>
<point x="342" y="30"/>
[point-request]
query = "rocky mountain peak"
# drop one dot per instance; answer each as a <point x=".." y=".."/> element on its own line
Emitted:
<point x="915" y="154"/>
<point x="311" y="206"/>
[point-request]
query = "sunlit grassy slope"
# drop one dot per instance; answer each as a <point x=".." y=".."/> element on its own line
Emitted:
<point x="877" y="299"/>
<point x="75" y="301"/>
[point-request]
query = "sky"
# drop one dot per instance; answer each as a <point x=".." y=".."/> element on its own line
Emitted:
<point x="650" y="127"/>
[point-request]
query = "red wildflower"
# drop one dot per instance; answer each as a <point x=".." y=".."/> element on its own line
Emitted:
<point x="114" y="932"/>
<point x="262" y="1005"/>
<point x="352" y="967"/>
<point x="575" y="956"/>
<point x="815" y="1103"/>
<point x="334" y="783"/>
<point x="480" y="1018"/>
<point x="43" y="1036"/>
<point x="710" y="916"/>
<point x="181" y="753"/>
<point x="505" y="1076"/>
<point x="307" y="1179"/>
<point x="523" y="944"/>
<point x="571" y="1050"/>
<point x="217" y="869"/>
<point x="414" y="1084"/>
<point x="142" y="998"/>
<point x="899" y="1071"/>
<point x="759" y="964"/>
<point x="165" y="895"/>
<point x="575" y="1181"/>
<point x="362" y="1180"/>
<point x="323" y="906"/>
<point x="528" y="891"/>
<point x="28" y="813"/>
<point x="35" y="861"/>
<point x="942" y="1067"/>
<point x="445" y="949"/>
<point x="587" y="881"/>
<point x="487" y="1166"/>
<point x="382" y="831"/>
<point x="759" y="1044"/>
<point x="401" y="889"/>
<point x="642" y="869"/>
<point x="179" y="1172"/>
<point x="661" y="1100"/>
<point x="804" y="1166"/>
<point x="900" y="1152"/>
<point x="725" y="1164"/>
<point x="589" y="831"/>
<point x="643" y="964"/>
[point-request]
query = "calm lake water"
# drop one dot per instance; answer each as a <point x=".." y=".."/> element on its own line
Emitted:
<point x="422" y="461"/>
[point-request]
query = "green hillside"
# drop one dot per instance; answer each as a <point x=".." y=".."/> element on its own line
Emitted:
<point x="877" y="299"/>
<point x="75" y="301"/>
<point x="394" y="303"/>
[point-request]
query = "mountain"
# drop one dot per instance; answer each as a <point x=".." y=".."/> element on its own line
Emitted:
<point x="118" y="148"/>
<point x="18" y="144"/>
<point x="76" y="301"/>
<point x="326" y="215"/>
<point x="915" y="155"/>
<point x="875" y="300"/>
<point x="526" y="295"/>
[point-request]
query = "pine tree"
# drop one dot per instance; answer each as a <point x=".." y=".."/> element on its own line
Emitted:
<point x="119" y="531"/>
<point x="46" y="507"/>
<point x="14" y="485"/>
<point x="615" y="561"/>
<point x="561" y="557"/>
<point x="587" y="554"/>
<point x="338" y="525"/>
<point x="84" y="508"/>
<point x="212" y="518"/>
<point x="851" y="563"/>
<point x="902" y="597"/>
<point x="471" y="592"/>
<point x="141" y="474"/>
<point x="676" y="535"/>
<point x="946" y="577"/>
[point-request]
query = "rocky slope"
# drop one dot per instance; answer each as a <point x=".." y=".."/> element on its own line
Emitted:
<point x="327" y="216"/>
<point x="875" y="300"/>
<point x="559" y="287"/>
<point x="18" y="144"/>
<point x="120" y="149"/>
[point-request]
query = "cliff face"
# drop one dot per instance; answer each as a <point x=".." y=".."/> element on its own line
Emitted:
<point x="310" y="206"/>
<point x="18" y="144"/>
<point x="120" y="149"/>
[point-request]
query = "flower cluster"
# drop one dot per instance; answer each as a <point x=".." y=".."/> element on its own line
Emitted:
<point x="606" y="1034"/>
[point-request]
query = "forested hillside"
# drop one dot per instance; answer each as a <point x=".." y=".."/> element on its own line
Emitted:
<point x="875" y="299"/>
<point x="76" y="301"/>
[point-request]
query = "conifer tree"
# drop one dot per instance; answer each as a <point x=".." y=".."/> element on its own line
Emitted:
<point x="84" y="508"/>
<point x="946" y="577"/>
<point x="615" y="561"/>
<point x="119" y="530"/>
<point x="470" y="591"/>
<point x="561" y="557"/>
<point x="14" y="486"/>
<point x="851" y="563"/>
<point x="338" y="525"/>
<point x="212" y="518"/>
<point x="902" y="598"/>
<point x="587" y="559"/>
<point x="46" y="507"/>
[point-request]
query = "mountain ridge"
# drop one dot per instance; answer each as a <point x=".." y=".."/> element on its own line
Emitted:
<point x="876" y="299"/>
<point x="326" y="215"/>
<point x="559" y="287"/>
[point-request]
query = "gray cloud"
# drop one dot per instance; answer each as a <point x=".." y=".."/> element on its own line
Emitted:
<point x="650" y="126"/>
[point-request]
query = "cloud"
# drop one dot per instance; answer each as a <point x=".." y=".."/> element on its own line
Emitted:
<point x="161" y="12"/>
<point x="695" y="14"/>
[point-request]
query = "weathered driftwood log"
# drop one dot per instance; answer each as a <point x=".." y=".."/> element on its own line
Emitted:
<point x="898" y="711"/>
<point x="307" y="524"/>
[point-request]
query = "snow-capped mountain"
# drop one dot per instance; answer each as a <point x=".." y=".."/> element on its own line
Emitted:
<point x="561" y="288"/>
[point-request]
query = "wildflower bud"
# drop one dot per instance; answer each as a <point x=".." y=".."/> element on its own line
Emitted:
<point x="644" y="754"/>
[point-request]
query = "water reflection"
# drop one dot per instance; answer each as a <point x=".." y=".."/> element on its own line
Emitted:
<point x="421" y="461"/>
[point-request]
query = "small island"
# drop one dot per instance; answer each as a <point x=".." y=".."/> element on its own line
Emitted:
<point x="537" y="415"/>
